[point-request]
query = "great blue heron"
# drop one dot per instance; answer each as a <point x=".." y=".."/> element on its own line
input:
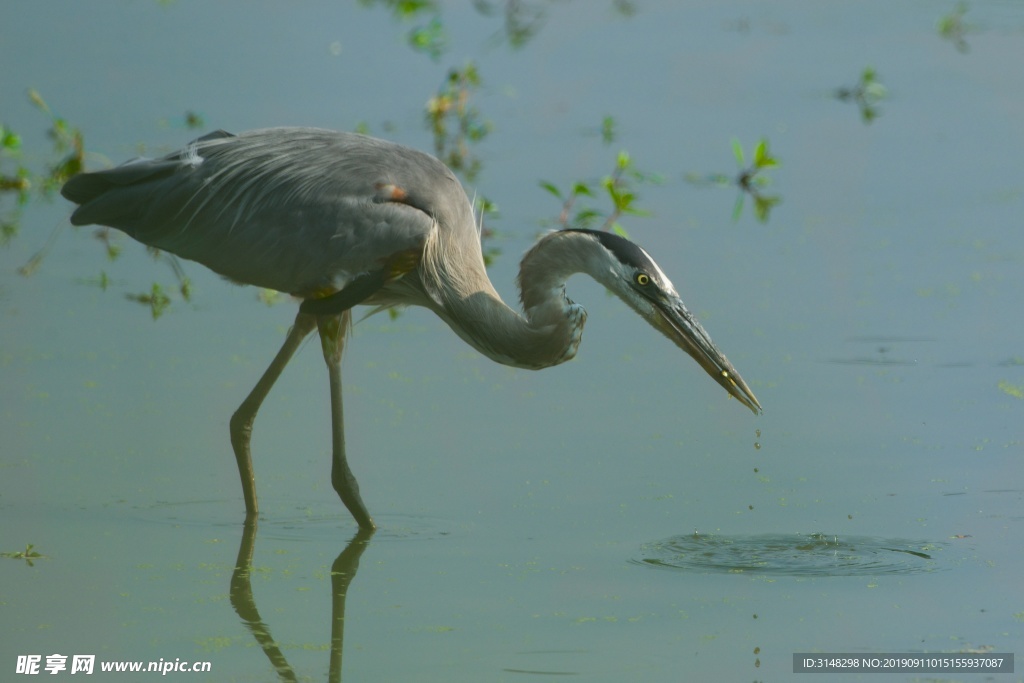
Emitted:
<point x="339" y="219"/>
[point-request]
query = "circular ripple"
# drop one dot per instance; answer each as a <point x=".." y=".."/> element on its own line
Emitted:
<point x="792" y="554"/>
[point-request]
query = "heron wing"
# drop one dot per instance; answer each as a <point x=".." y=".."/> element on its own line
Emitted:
<point x="294" y="209"/>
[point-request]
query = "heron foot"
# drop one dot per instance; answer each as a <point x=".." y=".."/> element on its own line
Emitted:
<point x="345" y="484"/>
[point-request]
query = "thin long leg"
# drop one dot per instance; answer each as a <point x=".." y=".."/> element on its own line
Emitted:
<point x="242" y="420"/>
<point x="333" y="329"/>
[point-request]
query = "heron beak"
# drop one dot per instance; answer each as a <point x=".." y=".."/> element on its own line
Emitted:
<point x="679" y="325"/>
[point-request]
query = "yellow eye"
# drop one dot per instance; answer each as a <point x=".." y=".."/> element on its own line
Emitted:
<point x="643" y="279"/>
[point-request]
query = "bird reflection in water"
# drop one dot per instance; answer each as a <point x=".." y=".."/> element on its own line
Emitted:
<point x="343" y="570"/>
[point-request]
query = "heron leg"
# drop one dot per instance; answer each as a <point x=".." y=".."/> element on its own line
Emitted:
<point x="333" y="329"/>
<point x="242" y="420"/>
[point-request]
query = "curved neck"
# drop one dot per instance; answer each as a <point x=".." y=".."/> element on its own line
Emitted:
<point x="551" y="326"/>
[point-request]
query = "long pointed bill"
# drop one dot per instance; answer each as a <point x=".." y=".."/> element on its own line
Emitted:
<point x="679" y="325"/>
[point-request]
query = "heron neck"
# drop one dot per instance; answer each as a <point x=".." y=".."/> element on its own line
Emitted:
<point x="549" y="330"/>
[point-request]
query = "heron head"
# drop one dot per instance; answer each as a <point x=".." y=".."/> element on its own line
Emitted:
<point x="634" y="277"/>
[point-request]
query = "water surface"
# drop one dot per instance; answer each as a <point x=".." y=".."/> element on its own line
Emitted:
<point x="873" y="314"/>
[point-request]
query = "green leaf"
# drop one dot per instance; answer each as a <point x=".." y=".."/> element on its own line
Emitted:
<point x="433" y="40"/>
<point x="9" y="140"/>
<point x="737" y="209"/>
<point x="623" y="160"/>
<point x="763" y="205"/>
<point x="608" y="130"/>
<point x="470" y="72"/>
<point x="551" y="188"/>
<point x="155" y="299"/>
<point x="875" y="91"/>
<point x="737" y="151"/>
<point x="586" y="217"/>
<point x="762" y="159"/>
<point x="612" y="189"/>
<point x="406" y="9"/>
<point x="582" y="189"/>
<point x="1011" y="389"/>
<point x="623" y="201"/>
<point x="648" y="178"/>
<point x="488" y="208"/>
<point x="619" y="230"/>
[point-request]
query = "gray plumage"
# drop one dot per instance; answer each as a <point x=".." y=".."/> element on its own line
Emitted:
<point x="339" y="219"/>
<point x="295" y="210"/>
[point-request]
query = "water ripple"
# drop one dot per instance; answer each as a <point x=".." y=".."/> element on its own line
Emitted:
<point x="814" y="554"/>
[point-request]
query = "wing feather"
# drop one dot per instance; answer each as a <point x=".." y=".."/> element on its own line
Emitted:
<point x="299" y="210"/>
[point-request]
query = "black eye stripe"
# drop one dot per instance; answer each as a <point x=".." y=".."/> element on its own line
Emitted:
<point x="625" y="251"/>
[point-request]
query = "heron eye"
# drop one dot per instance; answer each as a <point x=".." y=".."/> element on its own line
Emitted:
<point x="643" y="279"/>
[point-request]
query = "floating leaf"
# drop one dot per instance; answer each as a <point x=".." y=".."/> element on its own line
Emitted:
<point x="1011" y="389"/>
<point x="155" y="299"/>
